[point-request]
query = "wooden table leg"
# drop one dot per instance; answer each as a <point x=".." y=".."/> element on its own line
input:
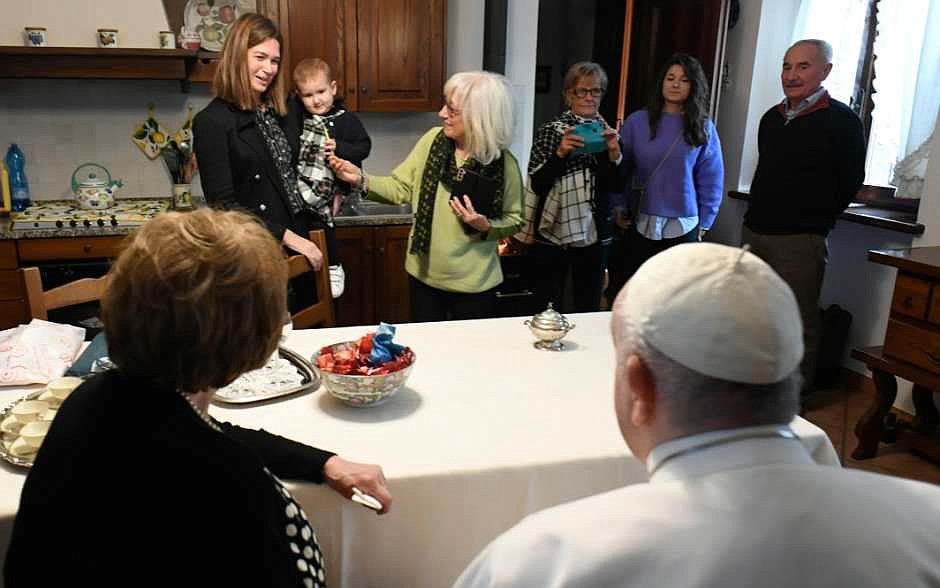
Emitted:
<point x="870" y="428"/>
<point x="925" y="411"/>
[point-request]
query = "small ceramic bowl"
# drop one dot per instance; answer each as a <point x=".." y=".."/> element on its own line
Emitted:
<point x="28" y="411"/>
<point x="33" y="433"/>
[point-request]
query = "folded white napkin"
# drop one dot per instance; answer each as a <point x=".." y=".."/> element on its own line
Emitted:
<point x="38" y="352"/>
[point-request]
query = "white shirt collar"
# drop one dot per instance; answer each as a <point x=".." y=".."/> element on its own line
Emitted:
<point x="703" y="453"/>
<point x="804" y="104"/>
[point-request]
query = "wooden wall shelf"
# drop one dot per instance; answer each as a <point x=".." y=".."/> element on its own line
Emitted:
<point x="183" y="65"/>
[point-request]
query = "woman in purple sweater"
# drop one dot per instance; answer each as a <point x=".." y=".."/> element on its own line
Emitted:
<point x="675" y="156"/>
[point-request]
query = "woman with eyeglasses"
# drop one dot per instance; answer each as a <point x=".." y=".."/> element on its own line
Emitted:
<point x="452" y="256"/>
<point x="678" y="173"/>
<point x="572" y="167"/>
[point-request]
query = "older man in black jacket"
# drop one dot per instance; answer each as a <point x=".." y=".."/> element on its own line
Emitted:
<point x="812" y="163"/>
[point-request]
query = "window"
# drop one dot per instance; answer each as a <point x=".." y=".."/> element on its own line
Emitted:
<point x="886" y="65"/>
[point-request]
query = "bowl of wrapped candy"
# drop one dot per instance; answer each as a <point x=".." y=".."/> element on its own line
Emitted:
<point x="367" y="371"/>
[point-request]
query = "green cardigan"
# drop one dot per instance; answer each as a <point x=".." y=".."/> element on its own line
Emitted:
<point x="456" y="262"/>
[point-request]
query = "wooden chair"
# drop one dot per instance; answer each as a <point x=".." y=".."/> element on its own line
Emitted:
<point x="41" y="302"/>
<point x="321" y="313"/>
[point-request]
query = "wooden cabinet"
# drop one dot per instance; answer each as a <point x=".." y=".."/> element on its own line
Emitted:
<point x="401" y="54"/>
<point x="26" y="252"/>
<point x="386" y="56"/>
<point x="376" y="281"/>
<point x="911" y="351"/>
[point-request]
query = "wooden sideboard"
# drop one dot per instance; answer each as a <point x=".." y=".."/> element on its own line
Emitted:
<point x="17" y="253"/>
<point x="911" y="351"/>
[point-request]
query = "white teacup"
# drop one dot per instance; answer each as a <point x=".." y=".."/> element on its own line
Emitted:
<point x="28" y="411"/>
<point x="33" y="433"/>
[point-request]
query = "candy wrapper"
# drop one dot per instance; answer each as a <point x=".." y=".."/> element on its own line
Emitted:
<point x="373" y="354"/>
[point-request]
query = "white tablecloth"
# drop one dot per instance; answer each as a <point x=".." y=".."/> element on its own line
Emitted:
<point x="486" y="430"/>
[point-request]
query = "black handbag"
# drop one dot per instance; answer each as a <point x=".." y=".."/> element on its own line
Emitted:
<point x="481" y="190"/>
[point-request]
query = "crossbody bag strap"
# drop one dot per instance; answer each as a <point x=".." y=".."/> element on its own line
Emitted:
<point x="661" y="162"/>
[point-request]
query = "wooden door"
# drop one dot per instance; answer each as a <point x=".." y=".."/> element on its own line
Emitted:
<point x="314" y="28"/>
<point x="392" y="295"/>
<point x="357" y="304"/>
<point x="401" y="55"/>
<point x="660" y="28"/>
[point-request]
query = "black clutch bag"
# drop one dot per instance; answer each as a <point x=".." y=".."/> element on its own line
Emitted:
<point x="479" y="188"/>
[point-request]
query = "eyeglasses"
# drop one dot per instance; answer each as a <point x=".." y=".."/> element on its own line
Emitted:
<point x="582" y="92"/>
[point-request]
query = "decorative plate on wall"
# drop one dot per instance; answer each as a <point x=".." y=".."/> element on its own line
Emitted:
<point x="212" y="19"/>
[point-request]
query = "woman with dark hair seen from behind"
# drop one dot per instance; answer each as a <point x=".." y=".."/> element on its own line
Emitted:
<point x="247" y="146"/>
<point x="566" y="210"/>
<point x="135" y="483"/>
<point x="678" y="172"/>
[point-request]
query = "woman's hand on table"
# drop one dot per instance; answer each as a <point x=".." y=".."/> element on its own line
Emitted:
<point x="345" y="170"/>
<point x="569" y="142"/>
<point x="343" y="475"/>
<point x="468" y="215"/>
<point x="305" y="247"/>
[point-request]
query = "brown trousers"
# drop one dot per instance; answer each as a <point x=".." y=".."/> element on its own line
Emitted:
<point x="801" y="261"/>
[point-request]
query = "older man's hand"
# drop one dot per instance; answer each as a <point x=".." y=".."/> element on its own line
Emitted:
<point x="342" y="475"/>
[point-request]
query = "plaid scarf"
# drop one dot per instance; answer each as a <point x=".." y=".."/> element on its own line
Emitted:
<point x="315" y="179"/>
<point x="567" y="211"/>
<point x="441" y="167"/>
<point x="279" y="149"/>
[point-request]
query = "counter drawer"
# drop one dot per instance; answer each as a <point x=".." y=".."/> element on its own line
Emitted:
<point x="13" y="312"/>
<point x="69" y="248"/>
<point x="917" y="345"/>
<point x="11" y="287"/>
<point x="910" y="296"/>
<point x="8" y="255"/>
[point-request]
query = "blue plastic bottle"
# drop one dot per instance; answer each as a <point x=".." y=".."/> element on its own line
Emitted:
<point x="16" y="164"/>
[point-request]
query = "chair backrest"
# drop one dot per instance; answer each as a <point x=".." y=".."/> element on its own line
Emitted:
<point x="321" y="313"/>
<point x="41" y="302"/>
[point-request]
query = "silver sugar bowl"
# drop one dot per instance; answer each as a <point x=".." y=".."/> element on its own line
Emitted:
<point x="549" y="327"/>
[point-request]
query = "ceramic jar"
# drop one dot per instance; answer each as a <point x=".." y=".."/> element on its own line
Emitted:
<point x="35" y="37"/>
<point x="167" y="40"/>
<point x="108" y="38"/>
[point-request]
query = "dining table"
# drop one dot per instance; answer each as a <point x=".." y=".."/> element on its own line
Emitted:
<point x="486" y="430"/>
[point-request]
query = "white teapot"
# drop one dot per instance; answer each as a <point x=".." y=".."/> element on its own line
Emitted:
<point x="92" y="192"/>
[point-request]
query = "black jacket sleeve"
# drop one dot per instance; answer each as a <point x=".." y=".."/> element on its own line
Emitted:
<point x="352" y="140"/>
<point x="284" y="457"/>
<point x="211" y="146"/>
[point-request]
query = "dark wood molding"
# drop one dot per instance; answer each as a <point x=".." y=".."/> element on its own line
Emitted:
<point x="93" y="63"/>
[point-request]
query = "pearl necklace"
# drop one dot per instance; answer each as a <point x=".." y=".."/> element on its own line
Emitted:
<point x="203" y="415"/>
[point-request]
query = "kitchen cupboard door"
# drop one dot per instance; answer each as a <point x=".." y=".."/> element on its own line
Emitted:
<point x="357" y="304"/>
<point x="392" y="295"/>
<point x="315" y="28"/>
<point x="401" y="55"/>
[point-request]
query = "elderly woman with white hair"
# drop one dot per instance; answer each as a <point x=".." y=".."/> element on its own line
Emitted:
<point x="452" y="258"/>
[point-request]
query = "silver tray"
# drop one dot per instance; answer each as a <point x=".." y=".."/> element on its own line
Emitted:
<point x="311" y="381"/>
<point x="4" y="452"/>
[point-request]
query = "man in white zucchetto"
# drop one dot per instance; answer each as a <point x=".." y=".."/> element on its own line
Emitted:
<point x="709" y="342"/>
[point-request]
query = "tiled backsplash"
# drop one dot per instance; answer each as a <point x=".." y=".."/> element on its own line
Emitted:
<point x="61" y="124"/>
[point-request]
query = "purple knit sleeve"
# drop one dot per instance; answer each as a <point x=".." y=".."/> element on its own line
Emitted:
<point x="709" y="177"/>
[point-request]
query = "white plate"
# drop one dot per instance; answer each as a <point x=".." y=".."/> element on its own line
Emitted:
<point x="213" y="19"/>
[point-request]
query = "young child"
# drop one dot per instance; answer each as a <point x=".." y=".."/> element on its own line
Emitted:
<point x="327" y="129"/>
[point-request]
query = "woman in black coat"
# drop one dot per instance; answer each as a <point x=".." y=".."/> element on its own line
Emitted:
<point x="245" y="141"/>
<point x="136" y="484"/>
